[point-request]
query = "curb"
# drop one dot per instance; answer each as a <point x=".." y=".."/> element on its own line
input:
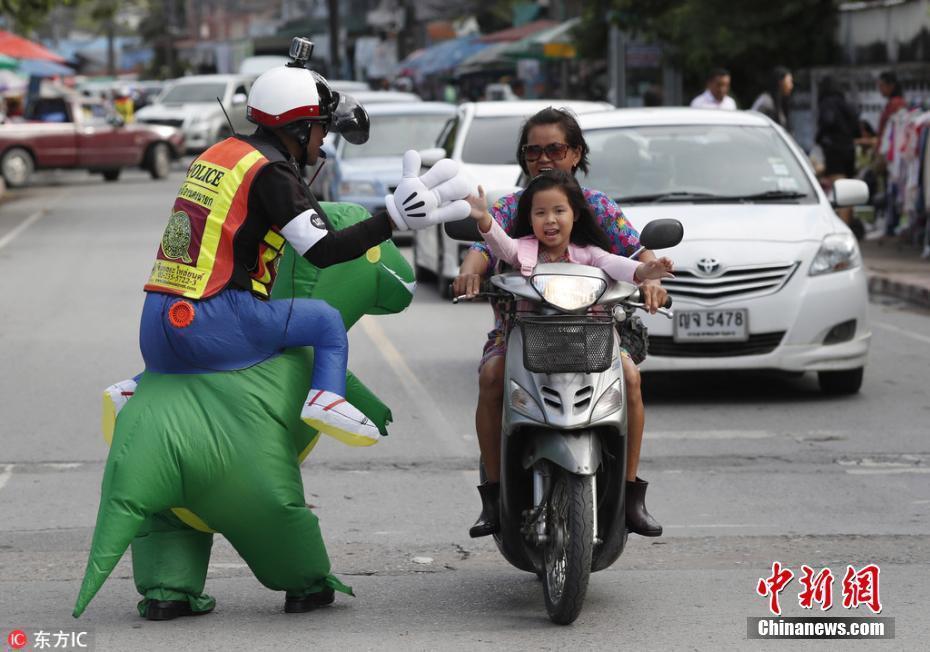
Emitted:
<point x="885" y="285"/>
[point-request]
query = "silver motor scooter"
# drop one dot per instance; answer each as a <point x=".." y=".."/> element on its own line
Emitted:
<point x="564" y="427"/>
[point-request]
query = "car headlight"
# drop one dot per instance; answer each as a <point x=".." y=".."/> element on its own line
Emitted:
<point x="522" y="402"/>
<point x="569" y="292"/>
<point x="609" y="402"/>
<point x="838" y="252"/>
<point x="358" y="189"/>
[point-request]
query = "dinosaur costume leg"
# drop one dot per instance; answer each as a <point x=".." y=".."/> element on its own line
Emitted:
<point x="169" y="562"/>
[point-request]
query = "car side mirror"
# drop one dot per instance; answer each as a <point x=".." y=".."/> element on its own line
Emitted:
<point x="661" y="234"/>
<point x="116" y="120"/>
<point x="239" y="98"/>
<point x="849" y="192"/>
<point x="432" y="156"/>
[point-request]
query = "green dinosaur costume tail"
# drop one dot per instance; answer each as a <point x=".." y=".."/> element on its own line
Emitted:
<point x="224" y="449"/>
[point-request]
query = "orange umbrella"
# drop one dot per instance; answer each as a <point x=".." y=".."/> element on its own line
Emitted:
<point x="22" y="48"/>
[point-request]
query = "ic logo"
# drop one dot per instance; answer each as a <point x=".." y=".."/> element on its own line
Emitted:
<point x="709" y="265"/>
<point x="17" y="639"/>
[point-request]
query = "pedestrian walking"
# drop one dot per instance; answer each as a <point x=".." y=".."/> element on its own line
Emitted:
<point x="774" y="100"/>
<point x="717" y="93"/>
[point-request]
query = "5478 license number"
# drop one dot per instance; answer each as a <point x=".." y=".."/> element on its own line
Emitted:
<point x="712" y="325"/>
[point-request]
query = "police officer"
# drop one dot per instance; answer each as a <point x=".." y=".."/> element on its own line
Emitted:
<point x="208" y="308"/>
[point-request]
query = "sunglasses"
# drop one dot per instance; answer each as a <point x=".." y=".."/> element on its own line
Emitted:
<point x="554" y="151"/>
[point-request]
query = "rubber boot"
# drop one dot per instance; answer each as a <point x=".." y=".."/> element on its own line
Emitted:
<point x="638" y="519"/>
<point x="489" y="521"/>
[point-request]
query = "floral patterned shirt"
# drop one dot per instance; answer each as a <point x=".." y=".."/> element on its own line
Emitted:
<point x="624" y="238"/>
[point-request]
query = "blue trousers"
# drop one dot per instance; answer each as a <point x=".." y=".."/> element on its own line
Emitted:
<point x="234" y="329"/>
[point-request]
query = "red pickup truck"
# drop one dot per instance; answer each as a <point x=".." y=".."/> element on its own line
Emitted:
<point x="80" y="132"/>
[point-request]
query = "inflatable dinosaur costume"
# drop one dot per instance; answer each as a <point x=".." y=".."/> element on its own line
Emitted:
<point x="196" y="454"/>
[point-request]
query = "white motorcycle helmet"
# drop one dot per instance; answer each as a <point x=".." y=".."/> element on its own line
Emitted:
<point x="293" y="96"/>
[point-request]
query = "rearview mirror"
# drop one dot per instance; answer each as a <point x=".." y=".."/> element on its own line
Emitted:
<point x="661" y="234"/>
<point x="432" y="156"/>
<point x="116" y="120"/>
<point x="849" y="192"/>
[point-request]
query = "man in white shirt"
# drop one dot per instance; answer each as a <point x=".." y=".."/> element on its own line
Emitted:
<point x="715" y="96"/>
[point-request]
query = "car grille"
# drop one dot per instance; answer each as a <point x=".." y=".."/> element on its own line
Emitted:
<point x="163" y="121"/>
<point x="758" y="344"/>
<point x="733" y="282"/>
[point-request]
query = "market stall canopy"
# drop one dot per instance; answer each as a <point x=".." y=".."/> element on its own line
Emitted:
<point x="21" y="48"/>
<point x="515" y="39"/>
<point x="441" y="57"/>
<point x="39" y="68"/>
<point x="556" y="42"/>
<point x="513" y="34"/>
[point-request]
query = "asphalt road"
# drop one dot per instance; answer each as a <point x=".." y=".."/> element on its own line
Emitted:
<point x="744" y="469"/>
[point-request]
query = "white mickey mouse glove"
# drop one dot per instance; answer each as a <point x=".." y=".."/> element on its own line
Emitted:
<point x="436" y="197"/>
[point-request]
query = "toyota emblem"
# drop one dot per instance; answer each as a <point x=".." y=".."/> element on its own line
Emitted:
<point x="708" y="265"/>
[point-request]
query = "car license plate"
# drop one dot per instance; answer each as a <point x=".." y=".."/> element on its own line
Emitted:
<point x="712" y="325"/>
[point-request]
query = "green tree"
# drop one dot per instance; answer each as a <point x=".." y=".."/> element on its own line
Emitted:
<point x="25" y="15"/>
<point x="747" y="37"/>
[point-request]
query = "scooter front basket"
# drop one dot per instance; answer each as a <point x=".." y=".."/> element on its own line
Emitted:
<point x="567" y="343"/>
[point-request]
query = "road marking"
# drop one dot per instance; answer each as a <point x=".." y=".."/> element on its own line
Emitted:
<point x="901" y="331"/>
<point x="708" y="434"/>
<point x="910" y="469"/>
<point x="435" y="420"/>
<point x="29" y="221"/>
<point x="723" y="525"/>
<point x="6" y="474"/>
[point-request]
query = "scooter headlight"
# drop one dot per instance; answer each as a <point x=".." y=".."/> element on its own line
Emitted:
<point x="609" y="402"/>
<point x="569" y="293"/>
<point x="522" y="402"/>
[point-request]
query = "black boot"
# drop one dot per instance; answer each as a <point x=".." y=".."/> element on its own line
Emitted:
<point x="638" y="519"/>
<point x="170" y="609"/>
<point x="490" y="520"/>
<point x="309" y="602"/>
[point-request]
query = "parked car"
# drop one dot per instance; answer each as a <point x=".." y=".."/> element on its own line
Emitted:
<point x="367" y="98"/>
<point x="82" y="132"/>
<point x="190" y="104"/>
<point x="364" y="174"/>
<point x="767" y="277"/>
<point x="254" y="66"/>
<point x="483" y="137"/>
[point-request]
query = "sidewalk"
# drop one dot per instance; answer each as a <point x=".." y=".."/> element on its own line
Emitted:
<point x="896" y="269"/>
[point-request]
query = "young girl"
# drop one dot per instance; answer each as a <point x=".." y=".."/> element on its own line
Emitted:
<point x="554" y="224"/>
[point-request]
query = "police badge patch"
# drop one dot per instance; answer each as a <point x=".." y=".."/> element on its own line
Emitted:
<point x="176" y="241"/>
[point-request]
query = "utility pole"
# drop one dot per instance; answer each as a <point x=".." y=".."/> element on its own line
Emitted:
<point x="335" y="63"/>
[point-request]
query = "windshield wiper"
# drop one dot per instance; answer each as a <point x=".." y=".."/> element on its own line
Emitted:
<point x="768" y="194"/>
<point x="678" y="195"/>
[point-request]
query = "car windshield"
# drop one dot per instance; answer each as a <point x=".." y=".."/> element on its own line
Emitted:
<point x="392" y="135"/>
<point x="695" y="163"/>
<point x="184" y="93"/>
<point x="493" y="141"/>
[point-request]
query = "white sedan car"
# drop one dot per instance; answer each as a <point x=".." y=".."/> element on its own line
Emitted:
<point x="483" y="137"/>
<point x="767" y="277"/>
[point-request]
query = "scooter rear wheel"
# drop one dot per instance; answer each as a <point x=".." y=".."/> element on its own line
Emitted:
<point x="567" y="553"/>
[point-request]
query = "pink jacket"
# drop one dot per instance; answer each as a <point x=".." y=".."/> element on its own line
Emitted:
<point x="523" y="253"/>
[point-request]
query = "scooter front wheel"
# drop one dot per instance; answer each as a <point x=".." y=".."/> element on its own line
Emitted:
<point x="567" y="552"/>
